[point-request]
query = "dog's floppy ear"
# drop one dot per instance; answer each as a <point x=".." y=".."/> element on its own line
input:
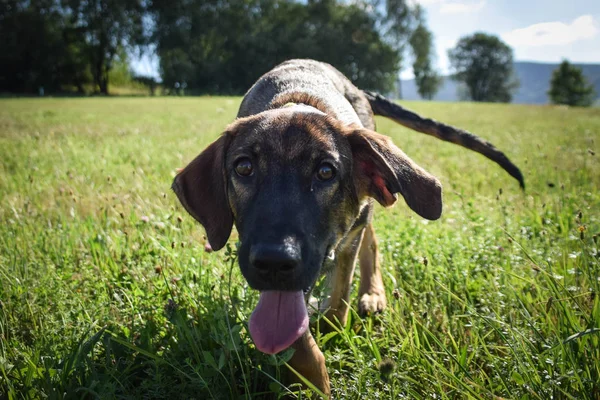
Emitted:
<point x="202" y="189"/>
<point x="381" y="170"/>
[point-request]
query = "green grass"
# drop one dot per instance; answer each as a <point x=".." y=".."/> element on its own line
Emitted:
<point x="106" y="290"/>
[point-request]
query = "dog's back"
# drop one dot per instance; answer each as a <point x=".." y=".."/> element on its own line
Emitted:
<point x="309" y="81"/>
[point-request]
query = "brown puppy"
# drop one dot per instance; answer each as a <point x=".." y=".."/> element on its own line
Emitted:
<point x="297" y="173"/>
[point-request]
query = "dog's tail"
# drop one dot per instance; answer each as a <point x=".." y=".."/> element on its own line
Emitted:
<point x="387" y="108"/>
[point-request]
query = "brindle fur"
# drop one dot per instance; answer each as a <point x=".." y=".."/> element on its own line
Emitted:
<point x="283" y="206"/>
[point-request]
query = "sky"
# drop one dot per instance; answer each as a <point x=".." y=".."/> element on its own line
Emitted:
<point x="537" y="30"/>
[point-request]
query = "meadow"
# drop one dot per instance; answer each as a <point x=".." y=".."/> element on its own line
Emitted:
<point x="106" y="290"/>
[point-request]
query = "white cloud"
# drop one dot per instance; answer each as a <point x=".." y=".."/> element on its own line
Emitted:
<point x="453" y="6"/>
<point x="464" y="7"/>
<point x="427" y="2"/>
<point x="553" y="33"/>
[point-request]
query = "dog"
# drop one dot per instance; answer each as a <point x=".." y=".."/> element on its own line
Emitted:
<point x="298" y="172"/>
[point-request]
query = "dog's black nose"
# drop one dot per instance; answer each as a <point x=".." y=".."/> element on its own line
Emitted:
<point x="276" y="264"/>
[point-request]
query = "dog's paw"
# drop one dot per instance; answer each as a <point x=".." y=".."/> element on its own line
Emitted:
<point x="371" y="303"/>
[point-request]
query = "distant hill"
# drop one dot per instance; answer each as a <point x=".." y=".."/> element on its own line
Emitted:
<point x="534" y="79"/>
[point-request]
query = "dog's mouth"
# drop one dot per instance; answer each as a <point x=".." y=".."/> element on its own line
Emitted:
<point x="279" y="319"/>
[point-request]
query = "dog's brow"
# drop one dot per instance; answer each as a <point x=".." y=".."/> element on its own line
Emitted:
<point x="245" y="149"/>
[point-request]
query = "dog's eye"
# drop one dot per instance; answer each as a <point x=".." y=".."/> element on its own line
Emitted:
<point x="325" y="172"/>
<point x="243" y="167"/>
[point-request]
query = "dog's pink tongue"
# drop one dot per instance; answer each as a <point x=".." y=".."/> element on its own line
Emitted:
<point x="278" y="320"/>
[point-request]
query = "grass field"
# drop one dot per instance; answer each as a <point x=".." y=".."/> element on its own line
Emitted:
<point x="106" y="290"/>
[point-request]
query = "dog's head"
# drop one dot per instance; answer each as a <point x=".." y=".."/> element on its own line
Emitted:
<point x="293" y="181"/>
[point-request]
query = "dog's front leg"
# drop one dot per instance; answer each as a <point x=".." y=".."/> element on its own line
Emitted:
<point x="340" y="281"/>
<point x="308" y="361"/>
<point x="371" y="294"/>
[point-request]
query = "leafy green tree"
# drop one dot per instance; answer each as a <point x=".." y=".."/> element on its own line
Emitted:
<point x="485" y="65"/>
<point x="106" y="26"/>
<point x="203" y="45"/>
<point x="223" y="47"/>
<point x="569" y="86"/>
<point x="212" y="46"/>
<point x="396" y="23"/>
<point x="37" y="49"/>
<point x="421" y="42"/>
<point x="346" y="36"/>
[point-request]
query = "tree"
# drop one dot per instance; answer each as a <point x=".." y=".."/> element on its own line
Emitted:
<point x="107" y="26"/>
<point x="421" y="41"/>
<point x="37" y="49"/>
<point x="224" y="46"/>
<point x="395" y="26"/>
<point x="64" y="44"/>
<point x="205" y="46"/>
<point x="485" y="65"/>
<point x="349" y="40"/>
<point x="396" y="23"/>
<point x="569" y="86"/>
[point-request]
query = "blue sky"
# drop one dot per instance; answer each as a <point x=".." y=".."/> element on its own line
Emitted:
<point x="537" y="30"/>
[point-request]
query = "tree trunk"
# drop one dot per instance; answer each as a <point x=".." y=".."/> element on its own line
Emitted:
<point x="101" y="74"/>
<point x="399" y="86"/>
<point x="104" y="85"/>
<point x="104" y="80"/>
<point x="79" y="85"/>
<point x="97" y="72"/>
